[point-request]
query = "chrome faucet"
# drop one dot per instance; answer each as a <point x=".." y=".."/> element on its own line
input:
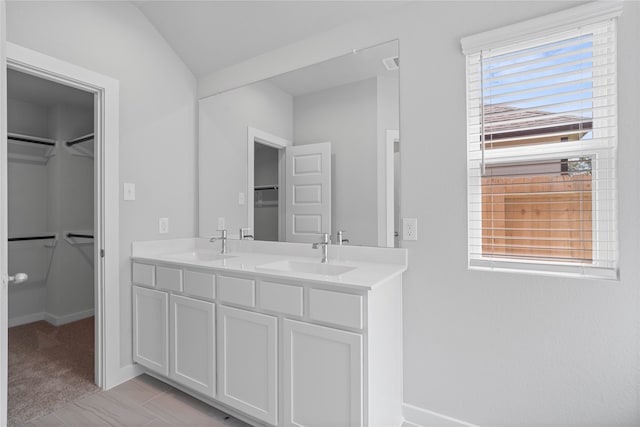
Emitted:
<point x="223" y="237"/>
<point x="340" y="238"/>
<point x="325" y="247"/>
<point x="244" y="233"/>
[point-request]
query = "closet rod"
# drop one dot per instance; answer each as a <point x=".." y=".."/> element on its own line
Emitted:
<point x="86" y="236"/>
<point x="79" y="140"/>
<point x="29" y="140"/>
<point x="265" y="187"/>
<point x="19" y="239"/>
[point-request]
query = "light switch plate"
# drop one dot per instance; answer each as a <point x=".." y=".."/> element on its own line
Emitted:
<point x="409" y="229"/>
<point x="129" y="191"/>
<point x="163" y="225"/>
<point x="241" y="198"/>
<point x="221" y="223"/>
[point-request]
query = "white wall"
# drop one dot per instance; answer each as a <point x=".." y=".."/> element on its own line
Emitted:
<point x="493" y="349"/>
<point x="346" y="116"/>
<point x="224" y="119"/>
<point x="157" y="114"/>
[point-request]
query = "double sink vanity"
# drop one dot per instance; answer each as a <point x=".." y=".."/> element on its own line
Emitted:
<point x="269" y="333"/>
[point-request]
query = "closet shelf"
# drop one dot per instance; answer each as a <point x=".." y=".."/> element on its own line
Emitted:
<point x="265" y="187"/>
<point x="39" y="237"/>
<point x="85" y="236"/>
<point x="81" y="146"/>
<point x="29" y="148"/>
<point x="79" y="140"/>
<point x="78" y="237"/>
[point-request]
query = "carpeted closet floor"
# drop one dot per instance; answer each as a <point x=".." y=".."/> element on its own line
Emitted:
<point x="48" y="367"/>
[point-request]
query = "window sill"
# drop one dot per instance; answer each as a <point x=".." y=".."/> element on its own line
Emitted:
<point x="545" y="269"/>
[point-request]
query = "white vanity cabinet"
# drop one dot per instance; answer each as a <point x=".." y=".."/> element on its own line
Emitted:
<point x="248" y="362"/>
<point x="151" y="329"/>
<point x="192" y="337"/>
<point x="322" y="376"/>
<point x="277" y="351"/>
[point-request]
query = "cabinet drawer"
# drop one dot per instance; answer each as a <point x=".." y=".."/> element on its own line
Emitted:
<point x="336" y="307"/>
<point x="236" y="290"/>
<point x="169" y="278"/>
<point x="144" y="274"/>
<point x="200" y="284"/>
<point x="281" y="298"/>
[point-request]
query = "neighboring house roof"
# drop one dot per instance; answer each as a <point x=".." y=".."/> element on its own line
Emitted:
<point x="498" y="125"/>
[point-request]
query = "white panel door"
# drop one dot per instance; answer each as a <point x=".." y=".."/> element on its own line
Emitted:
<point x="322" y="376"/>
<point x="4" y="307"/>
<point x="247" y="362"/>
<point x="151" y="329"/>
<point x="308" y="186"/>
<point x="192" y="333"/>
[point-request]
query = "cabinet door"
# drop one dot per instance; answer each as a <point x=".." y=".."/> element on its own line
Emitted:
<point x="192" y="346"/>
<point x="322" y="376"/>
<point x="248" y="362"/>
<point x="151" y="329"/>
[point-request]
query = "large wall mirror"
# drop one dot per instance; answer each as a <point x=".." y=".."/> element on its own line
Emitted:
<point x="315" y="150"/>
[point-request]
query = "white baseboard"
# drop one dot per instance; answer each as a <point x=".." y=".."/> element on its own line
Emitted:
<point x="125" y="373"/>
<point x="67" y="318"/>
<point x="420" y="417"/>
<point x="28" y="318"/>
<point x="51" y="318"/>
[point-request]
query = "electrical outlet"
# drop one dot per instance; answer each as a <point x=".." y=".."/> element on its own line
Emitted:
<point x="241" y="198"/>
<point x="221" y="223"/>
<point x="163" y="225"/>
<point x="409" y="229"/>
<point x="129" y="191"/>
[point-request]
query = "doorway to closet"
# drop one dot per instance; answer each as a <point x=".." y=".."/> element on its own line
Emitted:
<point x="51" y="202"/>
<point x="266" y="187"/>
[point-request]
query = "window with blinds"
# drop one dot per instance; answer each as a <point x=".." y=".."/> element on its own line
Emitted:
<point x="542" y="136"/>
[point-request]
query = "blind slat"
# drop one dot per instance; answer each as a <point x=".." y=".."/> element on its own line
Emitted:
<point x="553" y="78"/>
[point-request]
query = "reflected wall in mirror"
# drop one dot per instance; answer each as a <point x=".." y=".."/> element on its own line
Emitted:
<point x="311" y="151"/>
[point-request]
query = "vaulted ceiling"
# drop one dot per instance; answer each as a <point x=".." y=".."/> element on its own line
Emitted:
<point x="211" y="35"/>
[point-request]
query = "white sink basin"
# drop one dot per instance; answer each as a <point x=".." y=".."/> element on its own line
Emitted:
<point x="198" y="256"/>
<point x="306" y="267"/>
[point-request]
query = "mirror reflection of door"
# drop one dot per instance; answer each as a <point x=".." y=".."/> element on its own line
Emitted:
<point x="308" y="194"/>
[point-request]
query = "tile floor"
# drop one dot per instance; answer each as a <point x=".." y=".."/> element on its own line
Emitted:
<point x="142" y="401"/>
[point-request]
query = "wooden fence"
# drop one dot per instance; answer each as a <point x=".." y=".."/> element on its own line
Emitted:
<point x="547" y="217"/>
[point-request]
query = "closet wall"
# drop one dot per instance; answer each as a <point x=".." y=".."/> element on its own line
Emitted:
<point x="27" y="211"/>
<point x="70" y="285"/>
<point x="51" y="195"/>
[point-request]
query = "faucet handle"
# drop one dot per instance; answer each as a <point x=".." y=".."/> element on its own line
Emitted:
<point x="340" y="236"/>
<point x="244" y="233"/>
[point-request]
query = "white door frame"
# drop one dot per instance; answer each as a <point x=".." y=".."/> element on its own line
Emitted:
<point x="4" y="276"/>
<point x="392" y="135"/>
<point x="106" y="181"/>
<point x="256" y="135"/>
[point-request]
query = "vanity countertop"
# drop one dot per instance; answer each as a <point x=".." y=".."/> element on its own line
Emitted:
<point x="364" y="267"/>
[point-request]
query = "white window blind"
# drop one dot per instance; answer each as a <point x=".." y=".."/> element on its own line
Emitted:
<point x="542" y="137"/>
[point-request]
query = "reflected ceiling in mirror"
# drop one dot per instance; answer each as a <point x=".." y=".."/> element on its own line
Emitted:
<point x="311" y="151"/>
